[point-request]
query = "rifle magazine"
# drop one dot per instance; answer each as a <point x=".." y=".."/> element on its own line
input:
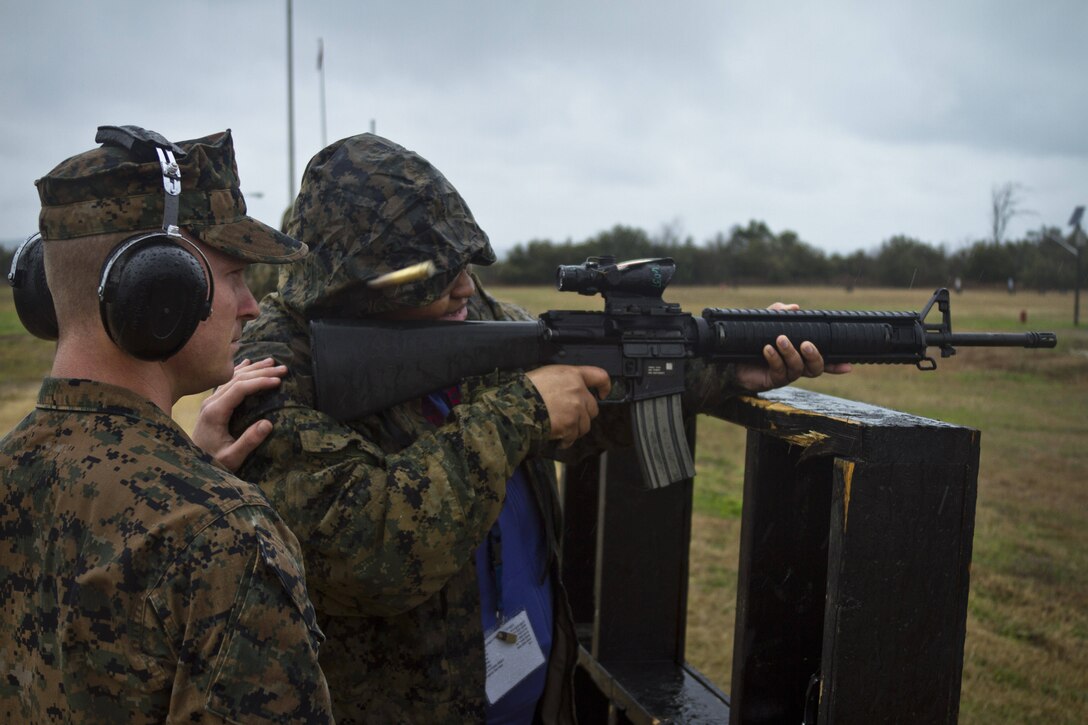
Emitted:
<point x="662" y="444"/>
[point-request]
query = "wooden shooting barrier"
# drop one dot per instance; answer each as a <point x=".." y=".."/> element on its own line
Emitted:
<point x="855" y="557"/>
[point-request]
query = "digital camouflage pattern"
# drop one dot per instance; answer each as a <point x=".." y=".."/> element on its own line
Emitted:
<point x="389" y="511"/>
<point x="368" y="206"/>
<point x="139" y="582"/>
<point x="390" y="508"/>
<point x="108" y="190"/>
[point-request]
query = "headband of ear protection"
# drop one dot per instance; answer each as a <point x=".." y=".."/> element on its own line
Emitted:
<point x="154" y="289"/>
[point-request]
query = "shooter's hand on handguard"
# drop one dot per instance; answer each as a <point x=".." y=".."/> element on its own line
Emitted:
<point x="785" y="363"/>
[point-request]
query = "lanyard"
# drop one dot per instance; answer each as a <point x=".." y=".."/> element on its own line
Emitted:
<point x="494" y="555"/>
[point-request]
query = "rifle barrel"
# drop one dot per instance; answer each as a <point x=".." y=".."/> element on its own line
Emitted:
<point x="992" y="339"/>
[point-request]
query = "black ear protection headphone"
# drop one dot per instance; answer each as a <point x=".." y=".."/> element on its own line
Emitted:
<point x="154" y="289"/>
<point x="33" y="300"/>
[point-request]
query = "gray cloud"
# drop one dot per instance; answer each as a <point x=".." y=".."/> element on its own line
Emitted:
<point x="846" y="122"/>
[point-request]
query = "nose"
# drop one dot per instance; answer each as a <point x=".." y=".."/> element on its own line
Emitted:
<point x="247" y="304"/>
<point x="463" y="286"/>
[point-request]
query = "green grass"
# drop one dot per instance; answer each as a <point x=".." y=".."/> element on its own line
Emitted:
<point x="23" y="358"/>
<point x="23" y="361"/>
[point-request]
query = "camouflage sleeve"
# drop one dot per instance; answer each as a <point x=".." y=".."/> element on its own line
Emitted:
<point x="238" y="629"/>
<point x="708" y="385"/>
<point x="384" y="532"/>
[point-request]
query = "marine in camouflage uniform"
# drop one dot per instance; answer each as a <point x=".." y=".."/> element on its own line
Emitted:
<point x="391" y="507"/>
<point x="139" y="581"/>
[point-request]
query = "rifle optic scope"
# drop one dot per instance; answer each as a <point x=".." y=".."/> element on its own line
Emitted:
<point x="602" y="275"/>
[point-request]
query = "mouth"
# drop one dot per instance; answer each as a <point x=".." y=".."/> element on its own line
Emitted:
<point x="459" y="315"/>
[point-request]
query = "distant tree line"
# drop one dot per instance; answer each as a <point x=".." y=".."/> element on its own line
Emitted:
<point x="754" y="255"/>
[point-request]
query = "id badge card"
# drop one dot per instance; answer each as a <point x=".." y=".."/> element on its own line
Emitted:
<point x="512" y="653"/>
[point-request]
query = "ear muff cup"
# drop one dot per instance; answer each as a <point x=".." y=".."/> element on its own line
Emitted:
<point x="153" y="294"/>
<point x="33" y="300"/>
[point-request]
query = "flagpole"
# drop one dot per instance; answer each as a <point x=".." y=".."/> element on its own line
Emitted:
<point x="290" y="113"/>
<point x="321" y="72"/>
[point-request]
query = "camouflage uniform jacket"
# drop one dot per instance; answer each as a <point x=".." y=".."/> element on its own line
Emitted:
<point x="389" y="510"/>
<point x="139" y="582"/>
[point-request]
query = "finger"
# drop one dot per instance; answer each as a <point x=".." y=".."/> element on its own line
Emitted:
<point x="605" y="388"/>
<point x="814" y="361"/>
<point x="596" y="379"/>
<point x="253" y="436"/>
<point x="241" y="387"/>
<point x="229" y="396"/>
<point x="589" y="402"/>
<point x="247" y="363"/>
<point x="234" y="454"/>
<point x="795" y="366"/>
<point x="258" y="370"/>
<point x="246" y="368"/>
<point x="224" y="389"/>
<point x="776" y="367"/>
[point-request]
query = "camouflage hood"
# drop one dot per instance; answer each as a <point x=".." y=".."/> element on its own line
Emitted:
<point x="367" y="207"/>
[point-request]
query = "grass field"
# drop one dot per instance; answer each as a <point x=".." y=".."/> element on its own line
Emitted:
<point x="1026" y="658"/>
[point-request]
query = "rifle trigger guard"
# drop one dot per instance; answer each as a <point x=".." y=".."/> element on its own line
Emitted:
<point x="628" y="394"/>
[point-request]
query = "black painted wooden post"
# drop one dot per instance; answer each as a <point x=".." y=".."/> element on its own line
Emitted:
<point x="642" y="565"/>
<point x="781" y="580"/>
<point x="897" y="540"/>
<point x="852" y="595"/>
<point x="634" y="651"/>
<point x="898" y="576"/>
<point x="580" y="493"/>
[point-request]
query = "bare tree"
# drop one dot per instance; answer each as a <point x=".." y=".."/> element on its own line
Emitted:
<point x="671" y="234"/>
<point x="1005" y="203"/>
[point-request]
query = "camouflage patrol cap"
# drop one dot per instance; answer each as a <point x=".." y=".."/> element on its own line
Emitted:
<point x="107" y="190"/>
<point x="366" y="207"/>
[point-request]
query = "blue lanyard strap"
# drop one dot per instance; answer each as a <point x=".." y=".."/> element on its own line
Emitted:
<point x="494" y="554"/>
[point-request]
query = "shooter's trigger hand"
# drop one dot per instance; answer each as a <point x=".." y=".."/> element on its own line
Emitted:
<point x="568" y="394"/>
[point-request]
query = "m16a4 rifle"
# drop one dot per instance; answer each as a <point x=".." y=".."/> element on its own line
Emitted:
<point x="362" y="366"/>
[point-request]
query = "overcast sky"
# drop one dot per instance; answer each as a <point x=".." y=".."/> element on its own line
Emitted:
<point x="846" y="122"/>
